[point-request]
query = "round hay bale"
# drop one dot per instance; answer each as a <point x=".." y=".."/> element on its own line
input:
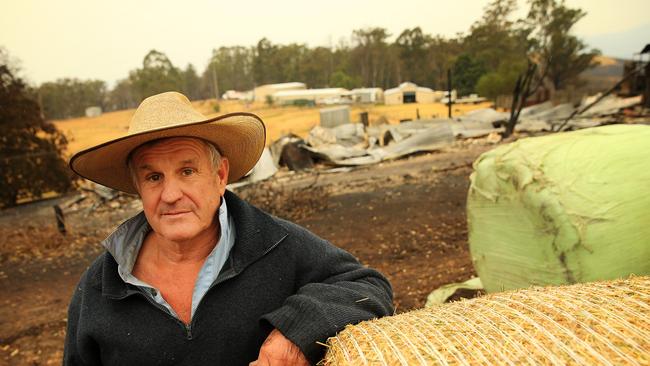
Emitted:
<point x="562" y="208"/>
<point x="601" y="323"/>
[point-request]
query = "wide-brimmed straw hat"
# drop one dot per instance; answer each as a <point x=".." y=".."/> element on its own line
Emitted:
<point x="238" y="136"/>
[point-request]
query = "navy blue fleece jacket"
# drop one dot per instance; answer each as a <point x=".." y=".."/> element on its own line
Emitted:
<point x="278" y="275"/>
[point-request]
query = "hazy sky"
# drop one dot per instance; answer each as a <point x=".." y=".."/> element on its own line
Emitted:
<point x="105" y="39"/>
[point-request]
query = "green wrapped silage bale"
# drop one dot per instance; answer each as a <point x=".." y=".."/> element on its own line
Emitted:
<point x="562" y="208"/>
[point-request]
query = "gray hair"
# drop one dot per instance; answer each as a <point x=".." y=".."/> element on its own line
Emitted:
<point x="213" y="153"/>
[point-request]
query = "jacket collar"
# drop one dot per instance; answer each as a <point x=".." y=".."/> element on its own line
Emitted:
<point x="257" y="233"/>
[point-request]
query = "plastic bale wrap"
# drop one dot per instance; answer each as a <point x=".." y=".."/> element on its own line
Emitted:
<point x="602" y="323"/>
<point x="563" y="208"/>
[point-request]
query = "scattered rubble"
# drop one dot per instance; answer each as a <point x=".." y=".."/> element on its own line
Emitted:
<point x="356" y="144"/>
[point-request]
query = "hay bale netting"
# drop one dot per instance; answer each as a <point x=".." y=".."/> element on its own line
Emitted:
<point x="563" y="208"/>
<point x="602" y="323"/>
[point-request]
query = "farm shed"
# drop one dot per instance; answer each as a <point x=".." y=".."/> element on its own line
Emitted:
<point x="318" y="96"/>
<point x="367" y="95"/>
<point x="410" y="93"/>
<point x="93" y="111"/>
<point x="261" y="92"/>
<point x="237" y="95"/>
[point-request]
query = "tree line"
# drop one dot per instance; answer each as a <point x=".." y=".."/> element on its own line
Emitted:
<point x="487" y="59"/>
<point x="497" y="56"/>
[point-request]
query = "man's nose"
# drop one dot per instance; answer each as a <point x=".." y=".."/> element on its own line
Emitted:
<point x="172" y="191"/>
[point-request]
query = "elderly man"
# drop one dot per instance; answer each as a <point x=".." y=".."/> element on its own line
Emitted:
<point x="202" y="277"/>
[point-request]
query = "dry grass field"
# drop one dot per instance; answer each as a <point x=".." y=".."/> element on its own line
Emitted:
<point x="85" y="132"/>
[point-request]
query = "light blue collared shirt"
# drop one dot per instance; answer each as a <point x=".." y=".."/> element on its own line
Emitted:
<point x="125" y="242"/>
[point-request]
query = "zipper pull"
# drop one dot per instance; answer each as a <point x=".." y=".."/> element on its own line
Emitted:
<point x="188" y="329"/>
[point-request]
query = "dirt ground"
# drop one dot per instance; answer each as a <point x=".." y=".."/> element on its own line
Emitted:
<point x="405" y="218"/>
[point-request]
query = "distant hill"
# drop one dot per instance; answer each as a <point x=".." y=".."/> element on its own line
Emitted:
<point x="607" y="67"/>
<point x="603" y="76"/>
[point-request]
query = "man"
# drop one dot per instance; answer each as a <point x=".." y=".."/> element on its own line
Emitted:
<point x="202" y="277"/>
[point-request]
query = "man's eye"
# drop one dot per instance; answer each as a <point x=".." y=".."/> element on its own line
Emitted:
<point x="188" y="171"/>
<point x="153" y="177"/>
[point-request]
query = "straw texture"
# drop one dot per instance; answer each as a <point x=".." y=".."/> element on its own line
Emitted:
<point x="602" y="323"/>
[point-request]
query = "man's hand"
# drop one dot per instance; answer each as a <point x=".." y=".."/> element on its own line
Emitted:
<point x="277" y="350"/>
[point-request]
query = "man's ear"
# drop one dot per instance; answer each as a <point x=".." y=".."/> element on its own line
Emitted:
<point x="222" y="174"/>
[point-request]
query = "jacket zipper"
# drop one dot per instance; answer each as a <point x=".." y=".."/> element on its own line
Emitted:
<point x="186" y="327"/>
<point x="222" y="279"/>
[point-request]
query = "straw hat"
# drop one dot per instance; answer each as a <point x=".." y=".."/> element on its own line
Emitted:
<point x="239" y="136"/>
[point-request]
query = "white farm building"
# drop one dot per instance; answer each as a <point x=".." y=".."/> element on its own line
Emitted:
<point x="261" y="92"/>
<point x="411" y="93"/>
<point x="317" y="96"/>
<point x="367" y="95"/>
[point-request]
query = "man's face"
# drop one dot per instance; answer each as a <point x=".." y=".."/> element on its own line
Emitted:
<point x="179" y="188"/>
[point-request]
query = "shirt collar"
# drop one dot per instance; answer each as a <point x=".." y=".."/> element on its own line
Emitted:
<point x="125" y="242"/>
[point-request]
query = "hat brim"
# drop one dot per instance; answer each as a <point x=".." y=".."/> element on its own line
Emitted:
<point x="240" y="137"/>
